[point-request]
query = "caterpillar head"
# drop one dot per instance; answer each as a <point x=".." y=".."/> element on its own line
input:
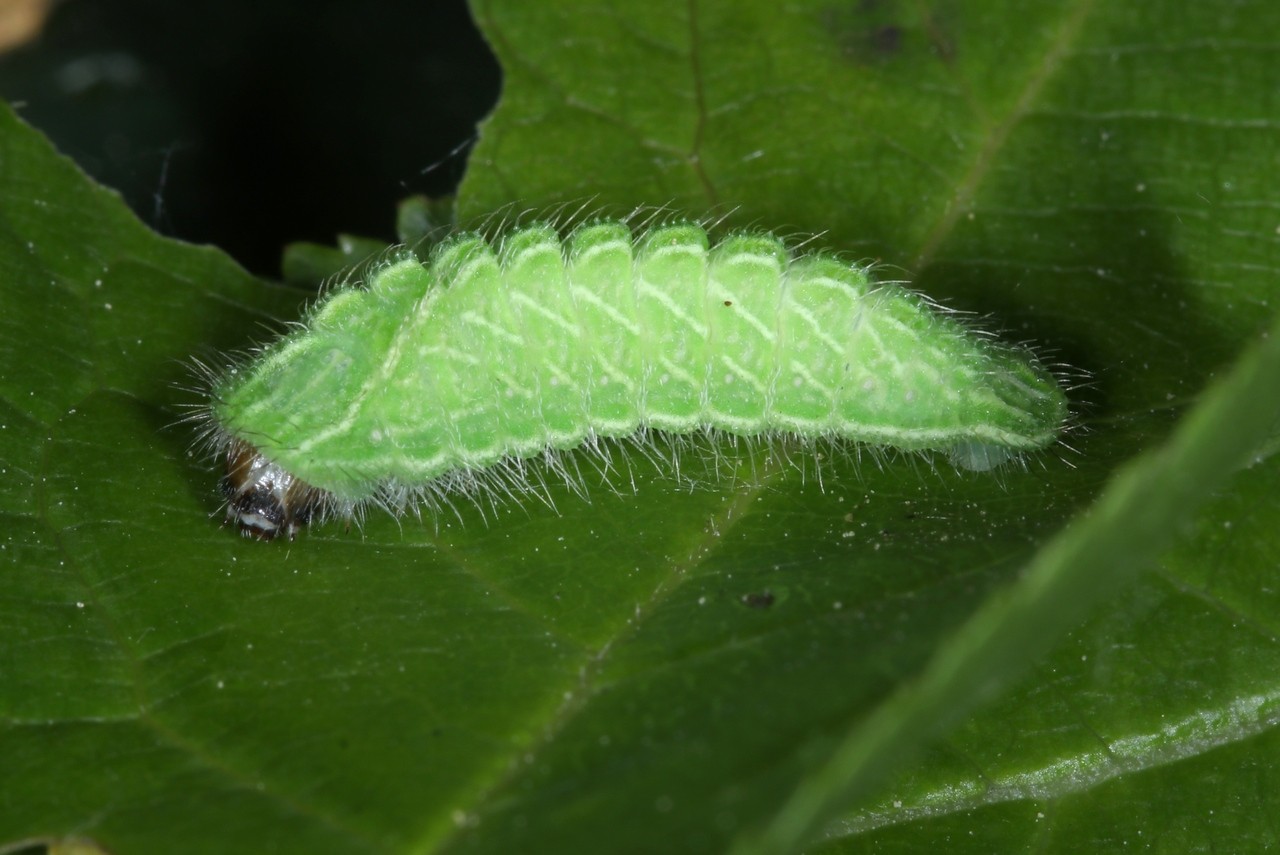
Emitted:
<point x="263" y="500"/>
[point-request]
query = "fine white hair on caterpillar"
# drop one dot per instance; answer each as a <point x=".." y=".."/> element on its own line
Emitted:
<point x="449" y="377"/>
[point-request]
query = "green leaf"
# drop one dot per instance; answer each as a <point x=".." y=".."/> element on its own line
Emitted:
<point x="774" y="656"/>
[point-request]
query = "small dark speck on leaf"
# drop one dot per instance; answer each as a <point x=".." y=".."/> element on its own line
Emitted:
<point x="758" y="600"/>
<point x="887" y="40"/>
<point x="874" y="32"/>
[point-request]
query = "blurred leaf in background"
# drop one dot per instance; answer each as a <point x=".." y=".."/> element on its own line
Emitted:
<point x="21" y="20"/>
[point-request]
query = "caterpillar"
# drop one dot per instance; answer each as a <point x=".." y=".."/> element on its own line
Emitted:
<point x="447" y="373"/>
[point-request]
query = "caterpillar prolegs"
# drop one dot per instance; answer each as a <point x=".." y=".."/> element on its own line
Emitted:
<point x="435" y="373"/>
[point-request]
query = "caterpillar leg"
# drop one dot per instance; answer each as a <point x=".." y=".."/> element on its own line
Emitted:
<point x="977" y="457"/>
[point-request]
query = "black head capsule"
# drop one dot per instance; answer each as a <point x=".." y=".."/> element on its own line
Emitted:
<point x="263" y="500"/>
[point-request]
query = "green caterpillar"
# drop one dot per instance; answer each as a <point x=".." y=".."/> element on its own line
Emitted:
<point x="434" y="374"/>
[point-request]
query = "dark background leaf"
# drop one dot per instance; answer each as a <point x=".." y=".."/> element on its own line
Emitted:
<point x="248" y="125"/>
<point x="660" y="668"/>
